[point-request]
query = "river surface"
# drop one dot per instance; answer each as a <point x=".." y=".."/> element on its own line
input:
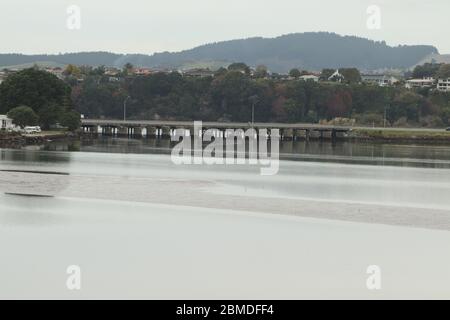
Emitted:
<point x="140" y="226"/>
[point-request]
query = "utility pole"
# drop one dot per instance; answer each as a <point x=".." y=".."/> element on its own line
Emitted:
<point x="253" y="114"/>
<point x="254" y="101"/>
<point x="125" y="108"/>
<point x="385" y="115"/>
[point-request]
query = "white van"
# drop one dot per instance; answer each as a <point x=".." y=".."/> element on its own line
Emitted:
<point x="31" y="130"/>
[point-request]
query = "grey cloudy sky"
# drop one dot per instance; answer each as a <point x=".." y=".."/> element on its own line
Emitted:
<point x="147" y="26"/>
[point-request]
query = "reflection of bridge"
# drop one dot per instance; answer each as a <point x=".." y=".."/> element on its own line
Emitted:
<point x="166" y="128"/>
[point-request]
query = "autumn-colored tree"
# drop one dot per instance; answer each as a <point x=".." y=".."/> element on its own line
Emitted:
<point x="72" y="70"/>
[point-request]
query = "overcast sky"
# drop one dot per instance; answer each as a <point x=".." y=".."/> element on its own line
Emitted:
<point x="148" y="26"/>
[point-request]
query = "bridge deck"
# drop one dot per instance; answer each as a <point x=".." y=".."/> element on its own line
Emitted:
<point x="218" y="125"/>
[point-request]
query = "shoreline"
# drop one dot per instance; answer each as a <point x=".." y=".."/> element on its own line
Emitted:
<point x="404" y="135"/>
<point x="360" y="134"/>
<point x="15" y="141"/>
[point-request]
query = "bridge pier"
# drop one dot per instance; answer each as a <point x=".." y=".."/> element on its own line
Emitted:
<point x="113" y="131"/>
<point x="93" y="129"/>
<point x="122" y="131"/>
<point x="107" y="131"/>
<point x="307" y="134"/>
<point x="298" y="134"/>
<point x="165" y="132"/>
<point x="182" y="132"/>
<point x="151" y="132"/>
<point x="320" y="135"/>
<point x="287" y="134"/>
<point x="136" y="132"/>
<point x="333" y="135"/>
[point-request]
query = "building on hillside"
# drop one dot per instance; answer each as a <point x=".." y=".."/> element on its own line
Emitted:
<point x="113" y="79"/>
<point x="420" y="83"/>
<point x="443" y="85"/>
<point x="59" y="72"/>
<point x="281" y="77"/>
<point x="336" y="76"/>
<point x="381" y="80"/>
<point x="199" y="73"/>
<point x="5" y="123"/>
<point x="112" y="72"/>
<point x="309" y="77"/>
<point x="3" y="75"/>
<point x="142" y="71"/>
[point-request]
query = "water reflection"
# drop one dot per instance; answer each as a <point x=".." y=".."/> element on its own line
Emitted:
<point x="421" y="155"/>
<point x="29" y="211"/>
<point x="373" y="153"/>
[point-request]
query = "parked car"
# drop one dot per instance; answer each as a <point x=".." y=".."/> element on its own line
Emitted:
<point x="448" y="129"/>
<point x="30" y="130"/>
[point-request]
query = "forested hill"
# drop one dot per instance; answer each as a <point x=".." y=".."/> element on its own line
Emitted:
<point x="310" y="51"/>
<point x="81" y="58"/>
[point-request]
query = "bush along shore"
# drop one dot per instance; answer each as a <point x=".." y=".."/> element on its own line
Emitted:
<point x="17" y="140"/>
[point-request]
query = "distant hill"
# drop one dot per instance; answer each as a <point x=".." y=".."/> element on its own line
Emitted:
<point x="81" y="58"/>
<point x="434" y="58"/>
<point x="40" y="64"/>
<point x="311" y="51"/>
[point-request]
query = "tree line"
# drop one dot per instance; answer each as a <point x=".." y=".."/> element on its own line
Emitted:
<point x="229" y="95"/>
<point x="35" y="97"/>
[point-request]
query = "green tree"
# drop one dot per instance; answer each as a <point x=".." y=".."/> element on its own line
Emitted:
<point x="50" y="115"/>
<point x="220" y="72"/>
<point x="33" y="88"/>
<point x="426" y="70"/>
<point x="407" y="104"/>
<point x="351" y="75"/>
<point x="23" y="116"/>
<point x="326" y="73"/>
<point x="239" y="66"/>
<point x="71" y="120"/>
<point x="72" y="70"/>
<point x="128" y="69"/>
<point x="444" y="71"/>
<point x="99" y="71"/>
<point x="261" y="71"/>
<point x="295" y="73"/>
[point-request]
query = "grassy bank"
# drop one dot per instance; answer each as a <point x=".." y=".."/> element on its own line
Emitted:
<point x="401" y="134"/>
<point x="48" y="134"/>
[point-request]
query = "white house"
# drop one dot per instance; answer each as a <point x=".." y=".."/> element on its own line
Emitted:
<point x="309" y="77"/>
<point x="379" y="79"/>
<point x="443" y="85"/>
<point x="5" y="123"/>
<point x="420" y="83"/>
<point x="336" y="76"/>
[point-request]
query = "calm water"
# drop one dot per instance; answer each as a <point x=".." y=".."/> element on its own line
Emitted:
<point x="424" y="155"/>
<point x="141" y="227"/>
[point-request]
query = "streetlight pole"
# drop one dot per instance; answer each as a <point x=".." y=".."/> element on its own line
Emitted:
<point x="253" y="114"/>
<point x="386" y="107"/>
<point x="254" y="100"/>
<point x="125" y="108"/>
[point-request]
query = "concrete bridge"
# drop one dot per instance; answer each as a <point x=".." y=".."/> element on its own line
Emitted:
<point x="165" y="129"/>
